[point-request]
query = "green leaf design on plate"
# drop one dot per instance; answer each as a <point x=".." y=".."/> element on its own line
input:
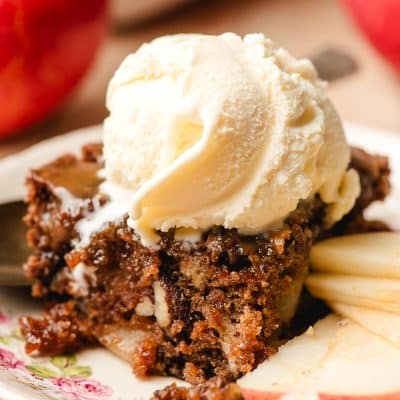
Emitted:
<point x="78" y="371"/>
<point x="62" y="362"/>
<point x="42" y="372"/>
<point x="16" y="334"/>
<point x="5" y="340"/>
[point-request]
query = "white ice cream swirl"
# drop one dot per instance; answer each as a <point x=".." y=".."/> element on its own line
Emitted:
<point x="220" y="130"/>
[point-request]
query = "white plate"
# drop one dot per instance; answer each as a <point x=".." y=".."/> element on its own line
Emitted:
<point x="96" y="374"/>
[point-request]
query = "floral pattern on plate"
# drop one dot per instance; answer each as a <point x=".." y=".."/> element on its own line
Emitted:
<point x="60" y="377"/>
<point x="93" y="374"/>
<point x="3" y="318"/>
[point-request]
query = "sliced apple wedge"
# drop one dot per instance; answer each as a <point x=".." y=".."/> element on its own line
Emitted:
<point x="369" y="254"/>
<point x="337" y="359"/>
<point x="375" y="293"/>
<point x="296" y="359"/>
<point x="383" y="324"/>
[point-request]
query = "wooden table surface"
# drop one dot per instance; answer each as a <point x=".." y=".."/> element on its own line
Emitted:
<point x="305" y="27"/>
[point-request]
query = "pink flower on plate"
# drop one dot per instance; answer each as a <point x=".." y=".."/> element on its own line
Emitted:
<point x="82" y="388"/>
<point x="3" y="318"/>
<point x="9" y="361"/>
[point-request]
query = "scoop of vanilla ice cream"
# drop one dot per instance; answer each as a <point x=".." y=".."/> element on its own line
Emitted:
<point x="219" y="130"/>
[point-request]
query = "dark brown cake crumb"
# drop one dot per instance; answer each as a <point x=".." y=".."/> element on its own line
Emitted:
<point x="214" y="389"/>
<point x="374" y="172"/>
<point x="51" y="228"/>
<point x="61" y="329"/>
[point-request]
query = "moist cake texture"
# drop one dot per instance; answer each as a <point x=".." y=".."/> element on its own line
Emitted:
<point x="191" y="310"/>
<point x="214" y="389"/>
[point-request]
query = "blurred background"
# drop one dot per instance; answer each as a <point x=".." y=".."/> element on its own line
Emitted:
<point x="56" y="57"/>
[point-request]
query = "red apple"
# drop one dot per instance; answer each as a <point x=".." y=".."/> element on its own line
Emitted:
<point x="46" y="46"/>
<point x="257" y="395"/>
<point x="380" y="21"/>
